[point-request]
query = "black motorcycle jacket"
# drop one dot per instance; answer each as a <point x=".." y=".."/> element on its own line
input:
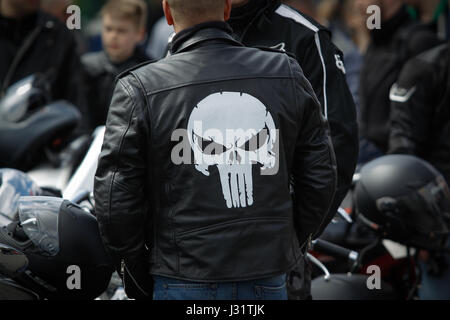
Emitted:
<point x="421" y="109"/>
<point x="198" y="155"/>
<point x="399" y="39"/>
<point x="269" y="23"/>
<point x="99" y="76"/>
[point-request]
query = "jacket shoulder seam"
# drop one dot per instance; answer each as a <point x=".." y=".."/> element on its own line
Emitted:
<point x="179" y="86"/>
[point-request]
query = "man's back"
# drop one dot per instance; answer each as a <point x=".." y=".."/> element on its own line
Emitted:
<point x="225" y="128"/>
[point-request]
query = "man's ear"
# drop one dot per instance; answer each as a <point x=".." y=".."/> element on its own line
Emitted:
<point x="227" y="10"/>
<point x="167" y="12"/>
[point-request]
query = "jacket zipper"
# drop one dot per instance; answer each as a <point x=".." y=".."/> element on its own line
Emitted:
<point x="123" y="267"/>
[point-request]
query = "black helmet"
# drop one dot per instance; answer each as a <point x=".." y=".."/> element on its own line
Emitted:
<point x="59" y="239"/>
<point x="405" y="199"/>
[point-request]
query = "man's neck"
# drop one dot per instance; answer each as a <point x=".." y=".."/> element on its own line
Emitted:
<point x="240" y="4"/>
<point x="183" y="26"/>
<point x="9" y="11"/>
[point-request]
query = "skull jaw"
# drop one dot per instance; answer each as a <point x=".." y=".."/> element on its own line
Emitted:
<point x="237" y="184"/>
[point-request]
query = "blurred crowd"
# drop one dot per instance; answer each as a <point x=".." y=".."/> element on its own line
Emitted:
<point x="398" y="74"/>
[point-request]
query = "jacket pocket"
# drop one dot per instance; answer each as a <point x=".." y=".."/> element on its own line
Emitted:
<point x="236" y="250"/>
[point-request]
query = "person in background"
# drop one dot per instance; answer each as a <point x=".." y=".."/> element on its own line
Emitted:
<point x="31" y="42"/>
<point x="123" y="30"/>
<point x="159" y="39"/>
<point x="399" y="39"/>
<point x="58" y="9"/>
<point x="420" y="117"/>
<point x="270" y="23"/>
<point x="420" y="120"/>
<point x="433" y="13"/>
<point x="340" y="18"/>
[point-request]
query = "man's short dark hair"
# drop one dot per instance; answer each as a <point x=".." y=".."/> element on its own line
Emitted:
<point x="190" y="8"/>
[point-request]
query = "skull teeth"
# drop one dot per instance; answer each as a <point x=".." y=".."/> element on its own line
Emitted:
<point x="237" y="185"/>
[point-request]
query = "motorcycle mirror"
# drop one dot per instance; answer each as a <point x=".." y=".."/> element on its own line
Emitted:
<point x="12" y="261"/>
<point x="345" y="215"/>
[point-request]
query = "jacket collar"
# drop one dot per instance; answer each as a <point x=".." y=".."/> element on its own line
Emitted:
<point x="201" y="33"/>
<point x="254" y="13"/>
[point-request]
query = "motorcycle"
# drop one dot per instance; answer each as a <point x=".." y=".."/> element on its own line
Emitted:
<point x="399" y="207"/>
<point x="344" y="286"/>
<point x="36" y="135"/>
<point x="53" y="251"/>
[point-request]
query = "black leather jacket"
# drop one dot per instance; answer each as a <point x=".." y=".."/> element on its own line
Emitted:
<point x="224" y="211"/>
<point x="99" y="76"/>
<point x="273" y="24"/>
<point x="399" y="39"/>
<point x="420" y="114"/>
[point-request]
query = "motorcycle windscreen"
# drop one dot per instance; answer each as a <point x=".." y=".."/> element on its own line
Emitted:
<point x="39" y="220"/>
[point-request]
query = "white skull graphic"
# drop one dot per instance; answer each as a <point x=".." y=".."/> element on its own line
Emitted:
<point x="233" y="131"/>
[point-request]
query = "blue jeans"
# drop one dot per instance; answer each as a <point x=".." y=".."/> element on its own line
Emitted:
<point x="262" y="289"/>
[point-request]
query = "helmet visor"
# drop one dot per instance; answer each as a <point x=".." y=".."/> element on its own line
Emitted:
<point x="39" y="220"/>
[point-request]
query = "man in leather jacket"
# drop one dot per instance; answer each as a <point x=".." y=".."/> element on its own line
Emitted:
<point x="420" y="120"/>
<point x="399" y="39"/>
<point x="420" y="114"/>
<point x="273" y="24"/>
<point x="200" y="152"/>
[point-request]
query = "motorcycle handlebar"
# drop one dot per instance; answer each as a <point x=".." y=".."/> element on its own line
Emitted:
<point x="325" y="247"/>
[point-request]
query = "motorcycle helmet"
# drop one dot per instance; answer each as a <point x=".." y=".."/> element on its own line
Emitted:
<point x="405" y="199"/>
<point x="13" y="185"/>
<point x="66" y="256"/>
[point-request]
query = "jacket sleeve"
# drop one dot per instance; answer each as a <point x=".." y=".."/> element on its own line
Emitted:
<point x="324" y="68"/>
<point x="411" y="109"/>
<point x="314" y="166"/>
<point x="120" y="180"/>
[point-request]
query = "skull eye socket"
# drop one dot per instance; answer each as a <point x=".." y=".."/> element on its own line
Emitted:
<point x="209" y="147"/>
<point x="257" y="141"/>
